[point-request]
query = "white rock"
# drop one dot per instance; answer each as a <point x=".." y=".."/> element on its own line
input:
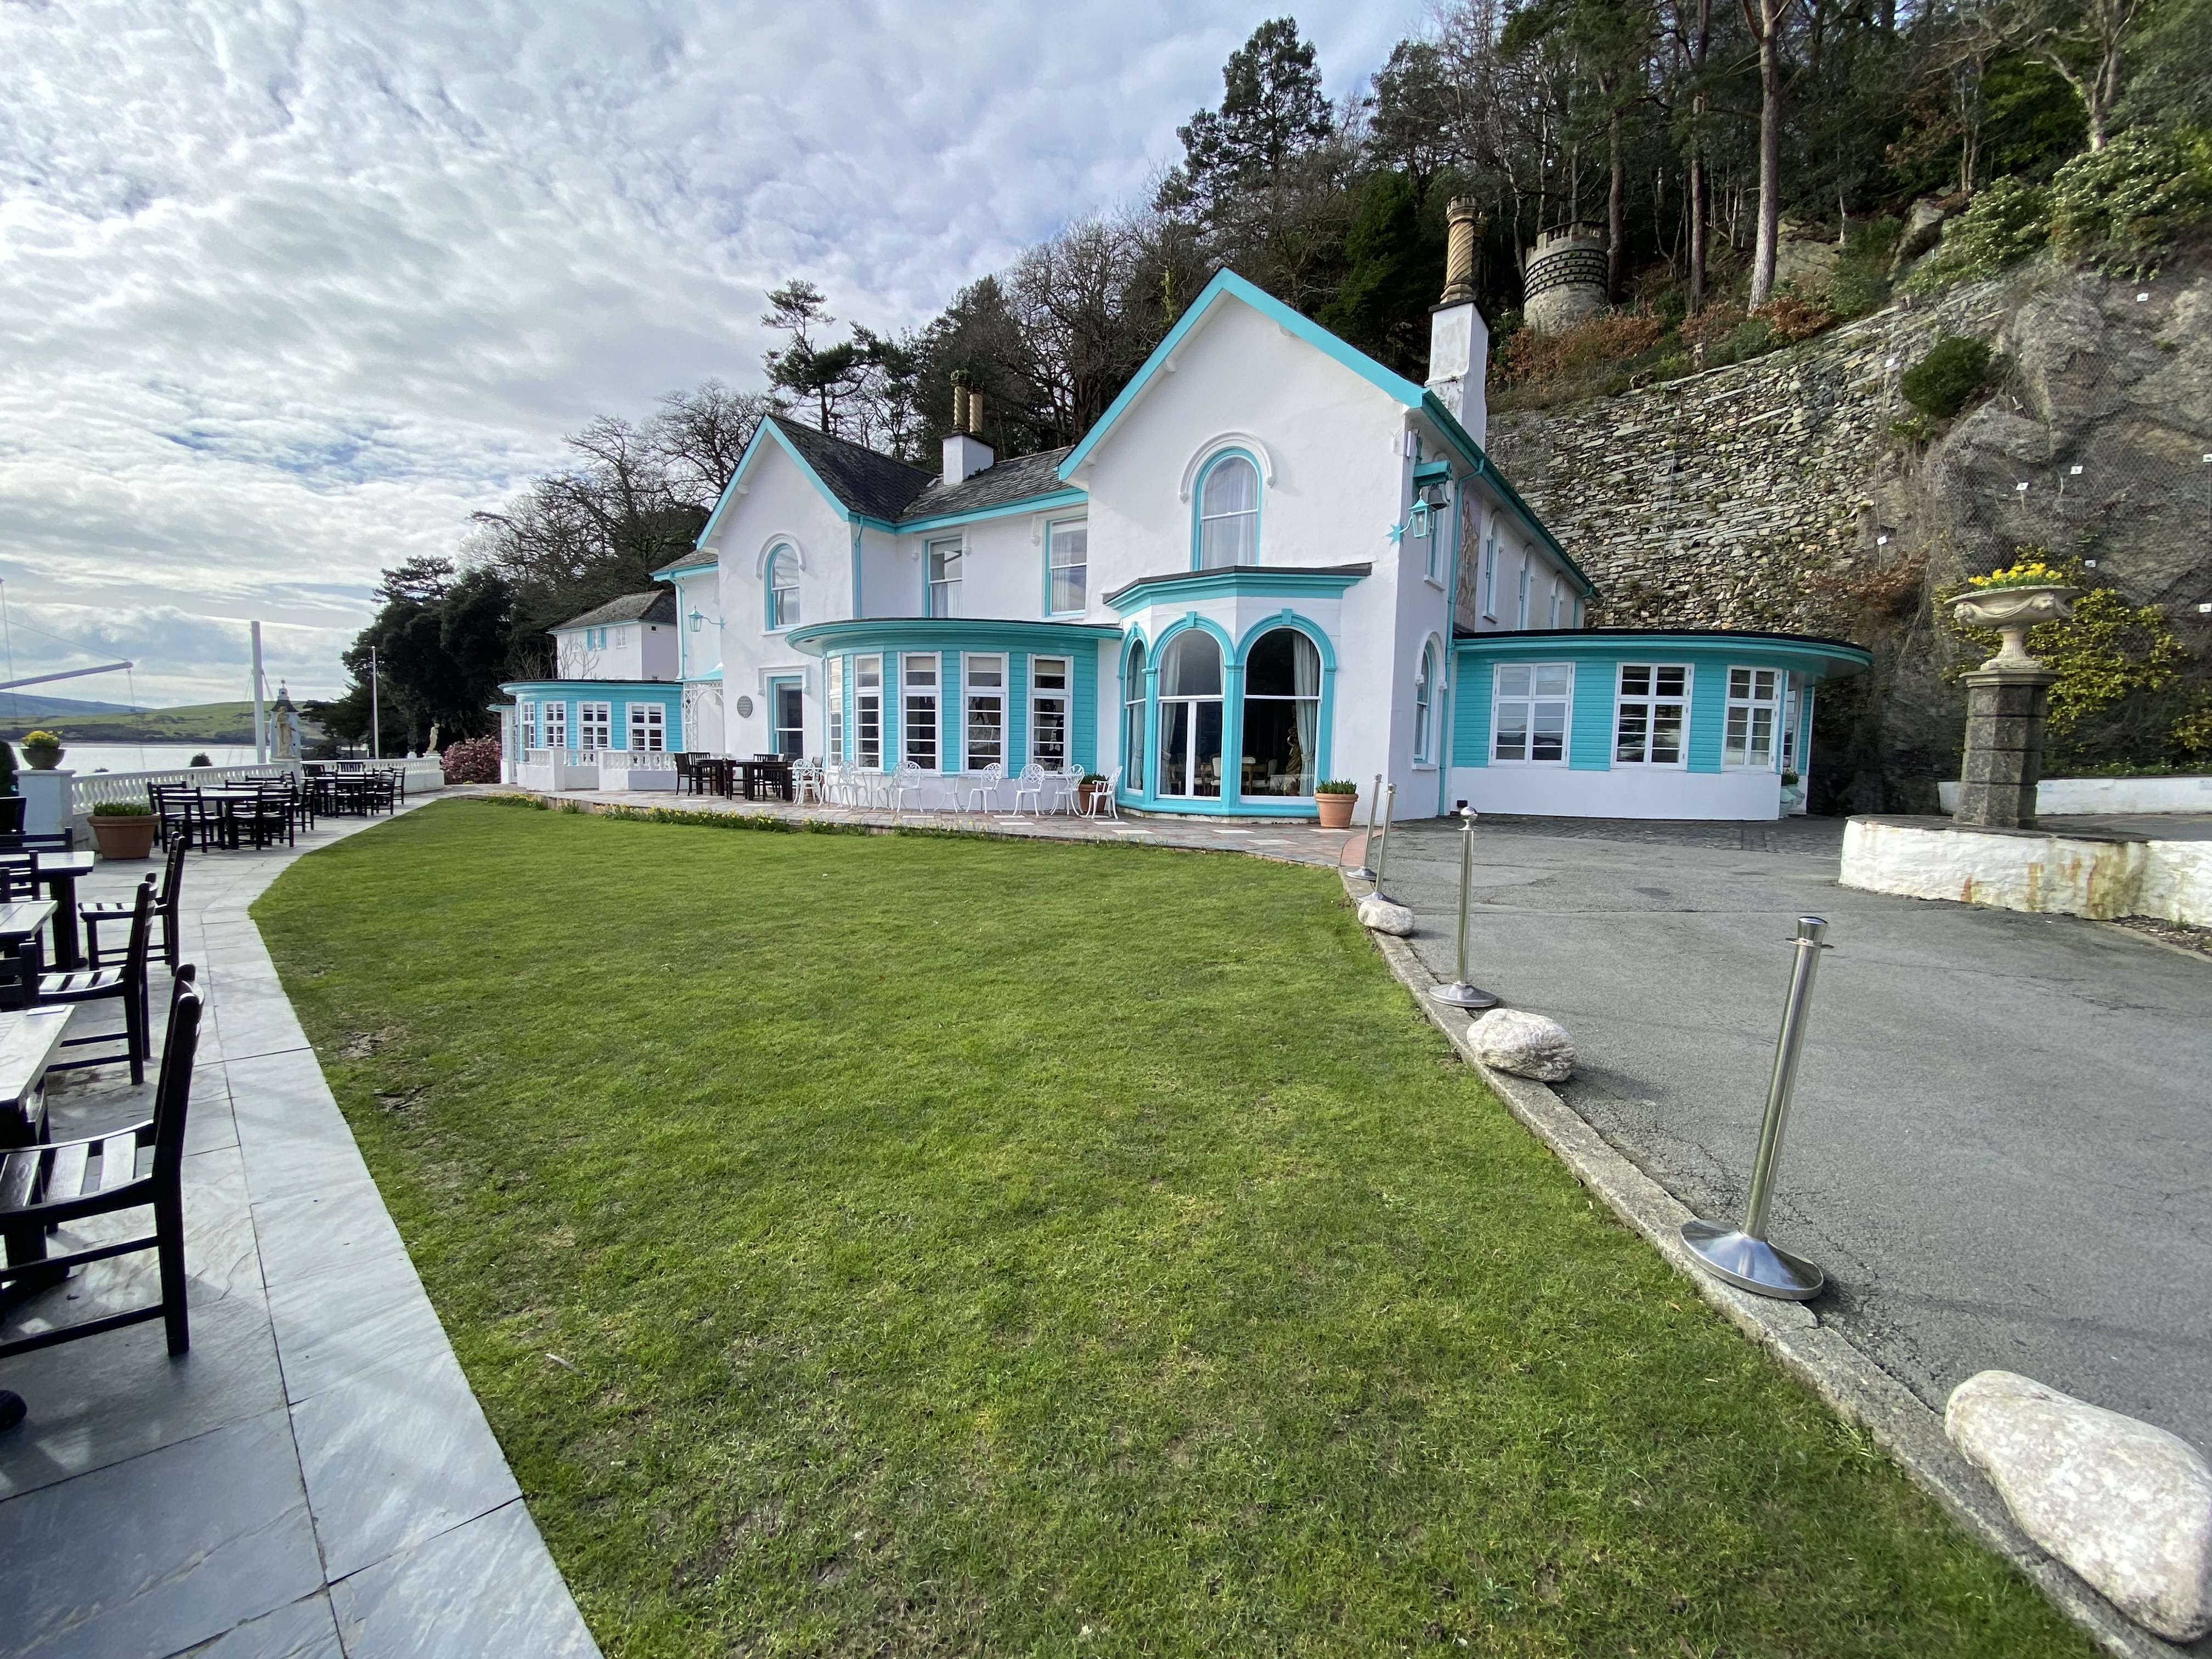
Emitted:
<point x="2126" y="1504"/>
<point x="1525" y="1044"/>
<point x="1385" y="917"/>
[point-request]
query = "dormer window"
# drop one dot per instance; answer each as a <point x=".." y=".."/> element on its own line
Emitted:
<point x="1229" y="513"/>
<point x="782" y="586"/>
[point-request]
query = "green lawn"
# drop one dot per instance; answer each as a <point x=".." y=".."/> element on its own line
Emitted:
<point x="966" y="1247"/>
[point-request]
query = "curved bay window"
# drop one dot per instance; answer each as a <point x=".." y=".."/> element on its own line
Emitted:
<point x="1133" y="721"/>
<point x="1282" y="713"/>
<point x="1190" y="716"/>
<point x="1229" y="513"/>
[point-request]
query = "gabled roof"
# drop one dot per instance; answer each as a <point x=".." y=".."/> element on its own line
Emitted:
<point x="865" y="482"/>
<point x="1014" y="479"/>
<point x="656" y="606"/>
<point x="1228" y="285"/>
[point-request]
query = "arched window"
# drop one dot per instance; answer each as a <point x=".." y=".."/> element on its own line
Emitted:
<point x="1424" y="681"/>
<point x="1229" y="513"/>
<point x="1133" y="721"/>
<point x="1282" y="713"/>
<point x="1190" y="716"/>
<point x="782" y="586"/>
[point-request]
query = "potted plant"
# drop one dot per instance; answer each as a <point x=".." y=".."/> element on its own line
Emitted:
<point x="1334" y="798"/>
<point x="2012" y="601"/>
<point x="43" y="750"/>
<point x="123" y="830"/>
<point x="1088" y="789"/>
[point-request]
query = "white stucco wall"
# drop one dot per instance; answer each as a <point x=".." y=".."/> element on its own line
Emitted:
<point x="2057" y="797"/>
<point x="2032" y="870"/>
<point x="1651" y="792"/>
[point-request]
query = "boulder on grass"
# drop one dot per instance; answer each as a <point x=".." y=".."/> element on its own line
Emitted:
<point x="2126" y="1504"/>
<point x="1385" y="917"/>
<point x="1525" y="1044"/>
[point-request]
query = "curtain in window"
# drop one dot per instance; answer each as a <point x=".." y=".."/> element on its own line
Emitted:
<point x="1282" y="714"/>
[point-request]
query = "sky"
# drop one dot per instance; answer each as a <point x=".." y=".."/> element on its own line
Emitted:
<point x="289" y="290"/>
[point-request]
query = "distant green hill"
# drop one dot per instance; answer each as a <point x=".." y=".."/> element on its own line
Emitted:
<point x="205" y="722"/>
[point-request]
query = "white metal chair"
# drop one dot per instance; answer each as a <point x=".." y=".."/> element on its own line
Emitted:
<point x="806" y="779"/>
<point x="1066" y="786"/>
<point x="1102" y="803"/>
<point x="983" y="792"/>
<point x="898" y="785"/>
<point x="1031" y="783"/>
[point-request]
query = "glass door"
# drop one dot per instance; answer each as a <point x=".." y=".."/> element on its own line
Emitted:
<point x="1190" y="717"/>
<point x="789" y="706"/>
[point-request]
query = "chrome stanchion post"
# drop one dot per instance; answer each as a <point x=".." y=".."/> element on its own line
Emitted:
<point x="1459" y="994"/>
<point x="1743" y="1256"/>
<point x="1382" y="847"/>
<point x="1365" y="871"/>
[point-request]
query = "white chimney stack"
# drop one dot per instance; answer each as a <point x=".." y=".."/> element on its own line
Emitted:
<point x="1459" y="340"/>
<point x="965" y="454"/>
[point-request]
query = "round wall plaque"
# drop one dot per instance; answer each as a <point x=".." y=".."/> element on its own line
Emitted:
<point x="745" y="708"/>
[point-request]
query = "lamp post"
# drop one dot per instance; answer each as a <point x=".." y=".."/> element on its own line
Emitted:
<point x="376" y="726"/>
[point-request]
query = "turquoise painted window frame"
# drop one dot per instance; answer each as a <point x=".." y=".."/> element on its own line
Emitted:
<point x="1052" y="527"/>
<point x="772" y="605"/>
<point x="1198" y="508"/>
<point x="1231" y="802"/>
<point x="1129" y="729"/>
<point x="773" y="686"/>
<point x="1425" y="706"/>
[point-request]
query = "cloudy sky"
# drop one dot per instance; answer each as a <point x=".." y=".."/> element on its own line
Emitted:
<point x="287" y="290"/>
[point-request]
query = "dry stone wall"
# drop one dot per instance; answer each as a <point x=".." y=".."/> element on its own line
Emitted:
<point x="1775" y="494"/>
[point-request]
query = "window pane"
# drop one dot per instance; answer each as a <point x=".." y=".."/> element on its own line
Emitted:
<point x="1666" y="734"/>
<point x="1635" y="680"/>
<point x="986" y="731"/>
<point x="1231" y="486"/>
<point x="1048" y="731"/>
<point x="1282" y="662"/>
<point x="867" y="671"/>
<point x="1512" y="731"/>
<point x="1554" y="679"/>
<point x="987" y="672"/>
<point x="921" y="731"/>
<point x="1550" y="740"/>
<point x="1192" y="667"/>
<point x="1739" y="681"/>
<point x="1206" y="747"/>
<point x="1670" y="681"/>
<point x="1764" y="682"/>
<point x="1739" y="729"/>
<point x="921" y="670"/>
<point x="1069" y="559"/>
<point x="1762" y="736"/>
<point x="1050" y="673"/>
<point x="1630" y="740"/>
<point x="1513" y="682"/>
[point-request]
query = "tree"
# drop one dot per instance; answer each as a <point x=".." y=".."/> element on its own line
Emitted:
<point x="1766" y="18"/>
<point x="1272" y="113"/>
<point x="1395" y="271"/>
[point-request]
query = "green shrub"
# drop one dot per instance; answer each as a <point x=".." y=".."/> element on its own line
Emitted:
<point x="1860" y="282"/>
<point x="2006" y="222"/>
<point x="2122" y="206"/>
<point x="1940" y="383"/>
<point x="121" y="809"/>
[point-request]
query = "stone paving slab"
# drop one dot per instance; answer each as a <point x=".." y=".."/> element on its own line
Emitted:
<point x="314" y="1480"/>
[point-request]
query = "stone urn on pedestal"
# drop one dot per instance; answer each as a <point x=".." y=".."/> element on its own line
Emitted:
<point x="2008" y="702"/>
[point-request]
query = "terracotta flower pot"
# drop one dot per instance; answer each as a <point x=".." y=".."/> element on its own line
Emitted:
<point x="2012" y="612"/>
<point x="1335" y="811"/>
<point x="1087" y="797"/>
<point x="120" y="839"/>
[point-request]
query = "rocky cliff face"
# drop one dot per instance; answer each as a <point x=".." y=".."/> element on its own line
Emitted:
<point x="1775" y="494"/>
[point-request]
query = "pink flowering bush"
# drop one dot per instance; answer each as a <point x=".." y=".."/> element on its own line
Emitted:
<point x="472" y="760"/>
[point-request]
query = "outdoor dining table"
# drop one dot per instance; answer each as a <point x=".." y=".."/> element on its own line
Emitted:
<point x="28" y="1040"/>
<point x="58" y="873"/>
<point x="760" y="776"/>
<point x="19" y="942"/>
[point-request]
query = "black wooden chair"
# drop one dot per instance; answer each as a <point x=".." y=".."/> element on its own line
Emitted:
<point x="19" y="876"/>
<point x="43" y="841"/>
<point x="45" y="1187"/>
<point x="166" y="912"/>
<point x="126" y="983"/>
<point x="11" y="814"/>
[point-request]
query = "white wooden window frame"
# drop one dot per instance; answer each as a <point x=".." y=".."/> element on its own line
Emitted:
<point x="1649" y="700"/>
<point x="942" y="593"/>
<point x="555" y="716"/>
<point x="983" y="700"/>
<point x="833" y="681"/>
<point x="1053" y="565"/>
<point x="1741" y="736"/>
<point x="648" y="728"/>
<point x="1545" y="684"/>
<point x="921" y="701"/>
<point x="1045" y="699"/>
<point x="868" y="713"/>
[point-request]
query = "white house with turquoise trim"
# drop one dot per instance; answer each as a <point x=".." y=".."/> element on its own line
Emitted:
<point x="611" y="716"/>
<point x="1271" y="561"/>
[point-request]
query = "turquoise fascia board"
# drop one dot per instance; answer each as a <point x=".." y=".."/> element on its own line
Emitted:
<point x="872" y="634"/>
<point x="1227" y="284"/>
<point x="1045" y="502"/>
<point x="765" y="432"/>
<point x="1478" y="458"/>
<point x="1236" y="582"/>
<point x="1821" y="659"/>
<point x="687" y="567"/>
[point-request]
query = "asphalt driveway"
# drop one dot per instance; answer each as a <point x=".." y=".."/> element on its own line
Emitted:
<point x="2001" y="1149"/>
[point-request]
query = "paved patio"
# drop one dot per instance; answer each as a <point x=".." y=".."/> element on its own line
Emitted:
<point x="314" y="1477"/>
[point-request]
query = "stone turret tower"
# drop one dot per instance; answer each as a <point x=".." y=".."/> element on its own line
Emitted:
<point x="1565" y="284"/>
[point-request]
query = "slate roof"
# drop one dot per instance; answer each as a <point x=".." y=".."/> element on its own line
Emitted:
<point x="658" y="606"/>
<point x="1014" y="479"/>
<point x="866" y="481"/>
<point x="881" y="487"/>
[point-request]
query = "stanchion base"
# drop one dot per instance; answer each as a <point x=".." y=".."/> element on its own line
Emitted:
<point x="1753" y="1264"/>
<point x="1363" y="873"/>
<point x="1459" y="994"/>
